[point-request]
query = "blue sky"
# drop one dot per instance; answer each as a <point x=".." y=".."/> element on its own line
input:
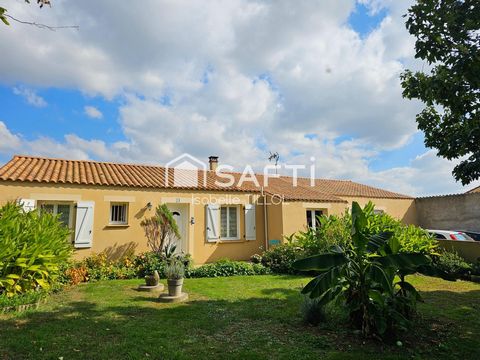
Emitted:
<point x="328" y="88"/>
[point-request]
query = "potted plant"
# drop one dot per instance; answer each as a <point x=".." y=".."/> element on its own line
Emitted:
<point x="152" y="279"/>
<point x="175" y="272"/>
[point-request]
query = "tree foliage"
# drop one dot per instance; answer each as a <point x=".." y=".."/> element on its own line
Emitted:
<point x="448" y="38"/>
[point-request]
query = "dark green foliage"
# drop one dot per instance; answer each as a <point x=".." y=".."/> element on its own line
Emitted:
<point x="10" y="303"/>
<point x="280" y="258"/>
<point x="227" y="268"/>
<point x="451" y="265"/>
<point x="334" y="232"/>
<point x="448" y="38"/>
<point x="99" y="267"/>
<point x="33" y="246"/>
<point x="363" y="274"/>
<point x="313" y="311"/>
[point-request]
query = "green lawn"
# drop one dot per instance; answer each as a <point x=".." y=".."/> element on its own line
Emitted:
<point x="253" y="317"/>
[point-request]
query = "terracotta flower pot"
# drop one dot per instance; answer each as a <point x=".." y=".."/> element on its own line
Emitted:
<point x="175" y="287"/>
<point x="152" y="280"/>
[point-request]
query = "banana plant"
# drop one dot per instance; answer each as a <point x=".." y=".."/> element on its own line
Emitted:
<point x="368" y="274"/>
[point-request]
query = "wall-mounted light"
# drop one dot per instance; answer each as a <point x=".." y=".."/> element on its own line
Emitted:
<point x="192" y="220"/>
<point x="149" y="206"/>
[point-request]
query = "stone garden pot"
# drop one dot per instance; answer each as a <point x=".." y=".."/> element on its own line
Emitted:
<point x="152" y="280"/>
<point x="175" y="287"/>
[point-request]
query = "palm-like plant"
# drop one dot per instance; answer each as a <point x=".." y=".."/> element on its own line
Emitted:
<point x="368" y="273"/>
<point x="160" y="228"/>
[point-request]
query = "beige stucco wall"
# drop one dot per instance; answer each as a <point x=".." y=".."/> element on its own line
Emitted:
<point x="282" y="218"/>
<point x="294" y="213"/>
<point x="117" y="240"/>
<point x="402" y="209"/>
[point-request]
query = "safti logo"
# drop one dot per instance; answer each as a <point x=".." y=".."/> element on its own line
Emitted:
<point x="185" y="170"/>
<point x="188" y="171"/>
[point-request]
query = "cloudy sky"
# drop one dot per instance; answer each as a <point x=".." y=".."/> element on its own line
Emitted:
<point x="145" y="81"/>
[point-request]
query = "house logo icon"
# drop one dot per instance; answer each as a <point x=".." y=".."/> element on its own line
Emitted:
<point x="186" y="171"/>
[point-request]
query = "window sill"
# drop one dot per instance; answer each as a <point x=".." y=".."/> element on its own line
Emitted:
<point x="118" y="226"/>
<point x="226" y="241"/>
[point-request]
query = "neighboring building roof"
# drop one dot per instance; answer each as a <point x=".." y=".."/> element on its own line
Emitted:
<point x="474" y="190"/>
<point x="62" y="171"/>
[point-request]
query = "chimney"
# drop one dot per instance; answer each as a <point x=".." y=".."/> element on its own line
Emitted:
<point x="213" y="162"/>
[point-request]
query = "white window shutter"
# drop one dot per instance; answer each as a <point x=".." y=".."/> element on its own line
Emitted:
<point x="213" y="226"/>
<point x="26" y="204"/>
<point x="84" y="224"/>
<point x="250" y="222"/>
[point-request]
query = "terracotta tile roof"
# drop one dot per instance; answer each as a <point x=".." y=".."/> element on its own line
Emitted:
<point x="62" y="171"/>
<point x="474" y="190"/>
<point x="352" y="189"/>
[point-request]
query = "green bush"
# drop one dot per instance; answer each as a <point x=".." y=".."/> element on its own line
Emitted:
<point x="11" y="302"/>
<point x="333" y="231"/>
<point x="227" y="268"/>
<point x="313" y="311"/>
<point x="33" y="246"/>
<point x="451" y="265"/>
<point x="279" y="259"/>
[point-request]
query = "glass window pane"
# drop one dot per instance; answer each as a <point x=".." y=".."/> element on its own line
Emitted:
<point x="232" y="222"/>
<point x="64" y="212"/>
<point x="223" y="222"/>
<point x="309" y="218"/>
<point x="318" y="213"/>
<point x="48" y="208"/>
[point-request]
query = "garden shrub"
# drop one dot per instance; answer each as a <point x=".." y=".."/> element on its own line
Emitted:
<point x="451" y="265"/>
<point x="334" y="231"/>
<point x="10" y="303"/>
<point x="313" y="311"/>
<point x="279" y="259"/>
<point x="33" y="246"/>
<point x="227" y="267"/>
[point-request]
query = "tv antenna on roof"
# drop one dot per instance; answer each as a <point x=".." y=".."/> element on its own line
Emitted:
<point x="274" y="157"/>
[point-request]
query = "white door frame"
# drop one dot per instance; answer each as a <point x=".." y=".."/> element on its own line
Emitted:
<point x="184" y="210"/>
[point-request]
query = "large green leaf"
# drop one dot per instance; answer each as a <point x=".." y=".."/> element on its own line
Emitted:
<point x="378" y="240"/>
<point x="323" y="285"/>
<point x="409" y="288"/>
<point x="320" y="262"/>
<point x="403" y="261"/>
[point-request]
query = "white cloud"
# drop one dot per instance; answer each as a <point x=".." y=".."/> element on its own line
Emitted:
<point x="234" y="78"/>
<point x="93" y="112"/>
<point x="30" y="96"/>
<point x="8" y="141"/>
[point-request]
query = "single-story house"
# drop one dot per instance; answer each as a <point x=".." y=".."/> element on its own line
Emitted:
<point x="218" y="216"/>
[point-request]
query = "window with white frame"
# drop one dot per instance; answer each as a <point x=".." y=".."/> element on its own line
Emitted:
<point x="312" y="218"/>
<point x="63" y="210"/>
<point x="119" y="214"/>
<point x="229" y="223"/>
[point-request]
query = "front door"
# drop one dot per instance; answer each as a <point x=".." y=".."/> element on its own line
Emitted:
<point x="180" y="214"/>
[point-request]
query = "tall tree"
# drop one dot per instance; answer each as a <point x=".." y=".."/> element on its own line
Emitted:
<point x="448" y="39"/>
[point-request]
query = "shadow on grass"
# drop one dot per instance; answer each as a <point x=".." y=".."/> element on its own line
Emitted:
<point x="136" y="326"/>
<point x="142" y="327"/>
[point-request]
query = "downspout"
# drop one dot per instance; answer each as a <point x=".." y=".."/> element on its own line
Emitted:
<point x="265" y="219"/>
